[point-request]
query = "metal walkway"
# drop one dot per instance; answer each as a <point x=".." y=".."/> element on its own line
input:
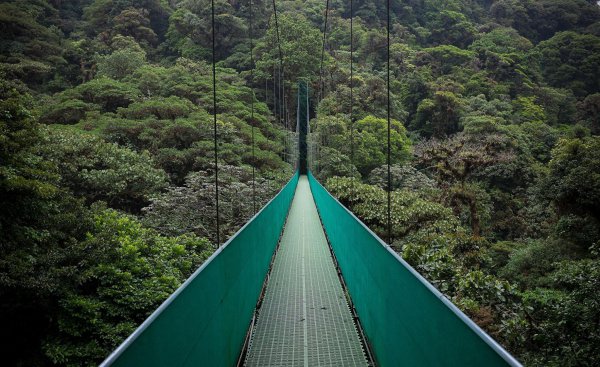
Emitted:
<point x="304" y="319"/>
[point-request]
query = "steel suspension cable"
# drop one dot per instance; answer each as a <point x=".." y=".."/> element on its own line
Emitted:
<point x="252" y="112"/>
<point x="275" y="91"/>
<point x="279" y="116"/>
<point x="352" y="93"/>
<point x="389" y="132"/>
<point x="283" y="117"/>
<point x="216" y="148"/>
<point x="321" y="88"/>
<point x="280" y="65"/>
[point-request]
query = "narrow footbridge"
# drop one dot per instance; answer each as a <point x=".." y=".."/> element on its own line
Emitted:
<point x="305" y="283"/>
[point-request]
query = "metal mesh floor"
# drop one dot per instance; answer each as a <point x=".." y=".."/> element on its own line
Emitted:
<point x="304" y="319"/>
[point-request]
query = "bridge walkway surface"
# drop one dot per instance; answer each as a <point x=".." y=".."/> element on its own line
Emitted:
<point x="305" y="319"/>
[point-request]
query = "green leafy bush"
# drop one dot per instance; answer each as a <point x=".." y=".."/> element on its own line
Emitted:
<point x="128" y="271"/>
<point x="97" y="170"/>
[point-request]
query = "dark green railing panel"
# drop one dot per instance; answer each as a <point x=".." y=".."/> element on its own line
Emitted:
<point x="406" y="320"/>
<point x="205" y="321"/>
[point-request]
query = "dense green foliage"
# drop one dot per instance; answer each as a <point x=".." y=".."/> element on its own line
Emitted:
<point x="106" y="155"/>
<point x="130" y="270"/>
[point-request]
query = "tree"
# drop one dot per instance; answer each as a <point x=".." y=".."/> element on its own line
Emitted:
<point x="454" y="162"/>
<point x="588" y="112"/>
<point x="192" y="22"/>
<point x="145" y="20"/>
<point x="515" y="14"/>
<point x="136" y="23"/>
<point x="128" y="272"/>
<point x="97" y="170"/>
<point x="370" y="98"/>
<point x="483" y="114"/>
<point x="501" y="41"/>
<point x="300" y="48"/>
<point x="105" y="92"/>
<point x="332" y="163"/>
<point x="39" y="223"/>
<point x="68" y="111"/>
<point x="451" y="27"/>
<point x="502" y="52"/>
<point x="540" y="20"/>
<point x="527" y="110"/>
<point x="559" y="105"/>
<point x="438" y="116"/>
<point x="573" y="185"/>
<point x="405" y="177"/>
<point x="573" y="182"/>
<point x="191" y="208"/>
<point x="126" y="58"/>
<point x="565" y="327"/>
<point x="410" y="213"/>
<point x="371" y="146"/>
<point x="162" y="108"/>
<point x="444" y="58"/>
<point x="30" y="49"/>
<point x="26" y="181"/>
<point x="571" y="60"/>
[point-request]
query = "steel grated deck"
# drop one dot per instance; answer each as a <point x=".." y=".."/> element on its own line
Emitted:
<point x="304" y="319"/>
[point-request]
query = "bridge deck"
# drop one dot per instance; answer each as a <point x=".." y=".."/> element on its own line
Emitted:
<point x="304" y="319"/>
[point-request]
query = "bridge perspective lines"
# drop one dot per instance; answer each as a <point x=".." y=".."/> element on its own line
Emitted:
<point x="305" y="318"/>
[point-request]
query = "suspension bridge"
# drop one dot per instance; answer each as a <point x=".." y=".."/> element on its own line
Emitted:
<point x="306" y="283"/>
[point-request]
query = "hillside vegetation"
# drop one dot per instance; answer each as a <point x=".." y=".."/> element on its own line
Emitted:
<point x="106" y="156"/>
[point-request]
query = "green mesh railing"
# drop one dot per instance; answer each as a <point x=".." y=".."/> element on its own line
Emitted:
<point x="406" y="320"/>
<point x="204" y="323"/>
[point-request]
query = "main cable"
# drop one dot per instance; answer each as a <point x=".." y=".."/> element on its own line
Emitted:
<point x="216" y="148"/>
<point x="389" y="130"/>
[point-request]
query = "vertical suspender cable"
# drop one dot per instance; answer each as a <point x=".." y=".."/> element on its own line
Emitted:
<point x="280" y="57"/>
<point x="277" y="78"/>
<point x="274" y="91"/>
<point x="389" y="130"/>
<point x="214" y="75"/>
<point x="280" y="106"/>
<point x="252" y="114"/>
<point x="284" y="119"/>
<point x="321" y="88"/>
<point x="352" y="93"/>
<point x="307" y="124"/>
<point x="298" y="128"/>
